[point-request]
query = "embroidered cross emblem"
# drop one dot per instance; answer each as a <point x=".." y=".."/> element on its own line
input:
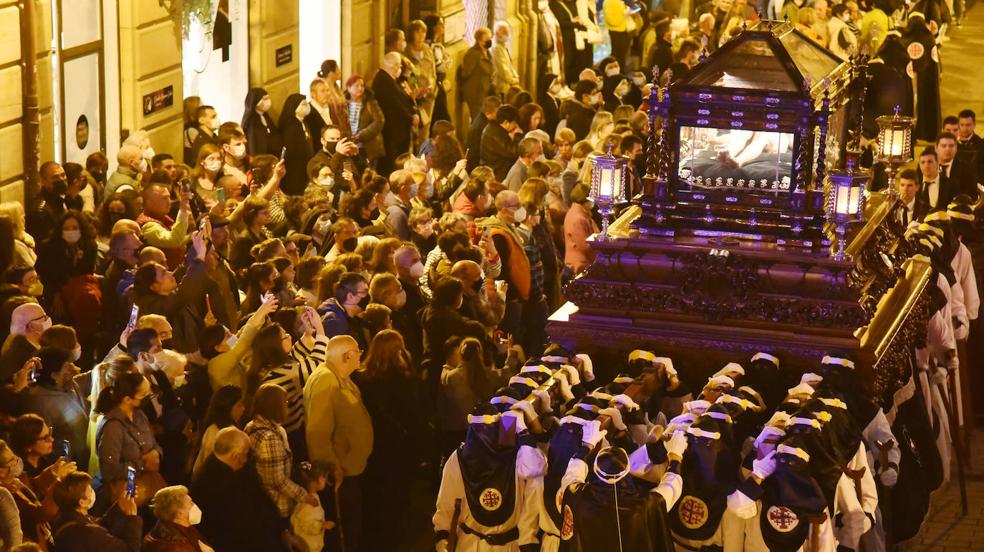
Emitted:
<point x="490" y="499"/>
<point x="693" y="512"/>
<point x="782" y="518"/>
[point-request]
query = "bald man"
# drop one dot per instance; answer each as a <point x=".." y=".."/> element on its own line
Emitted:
<point x="476" y="305"/>
<point x="237" y="512"/>
<point x="399" y="110"/>
<point x="131" y="166"/>
<point x="30" y="321"/>
<point x="339" y="430"/>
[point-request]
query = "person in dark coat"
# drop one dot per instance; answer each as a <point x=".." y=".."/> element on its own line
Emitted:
<point x="297" y="143"/>
<point x="262" y="136"/>
<point x="580" y="110"/>
<point x="500" y="141"/>
<point x="75" y="531"/>
<point x="548" y="103"/>
<point x="566" y="12"/>
<point x="661" y="54"/>
<point x="473" y="152"/>
<point x="237" y="513"/>
<point x="923" y="53"/>
<point x="399" y="111"/>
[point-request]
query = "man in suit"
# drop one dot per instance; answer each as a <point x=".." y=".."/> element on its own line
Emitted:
<point x="960" y="173"/>
<point x="935" y="191"/>
<point x="500" y="139"/>
<point x="969" y="144"/>
<point x="913" y="203"/>
<point x="476" y="71"/>
<point x="505" y="74"/>
<point x="399" y="111"/>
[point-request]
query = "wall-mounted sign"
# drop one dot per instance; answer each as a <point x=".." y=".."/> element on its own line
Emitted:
<point x="158" y="100"/>
<point x="285" y="55"/>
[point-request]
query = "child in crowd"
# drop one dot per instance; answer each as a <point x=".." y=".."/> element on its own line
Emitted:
<point x="308" y="522"/>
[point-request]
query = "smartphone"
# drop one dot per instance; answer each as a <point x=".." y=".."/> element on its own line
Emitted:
<point x="283" y="153"/>
<point x="131" y="481"/>
<point x="67" y="449"/>
<point x="35" y="367"/>
<point x="186" y="186"/>
<point x="208" y="303"/>
<point x="134" y="313"/>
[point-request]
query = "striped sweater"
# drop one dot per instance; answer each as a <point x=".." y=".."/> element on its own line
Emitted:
<point x="293" y="375"/>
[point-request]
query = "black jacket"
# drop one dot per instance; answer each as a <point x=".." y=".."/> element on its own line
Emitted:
<point x="237" y="513"/>
<point x="579" y="117"/>
<point x="499" y="150"/>
<point x="474" y="144"/>
<point x="260" y="138"/>
<point x="297" y="139"/>
<point x="398" y="110"/>
<point x="115" y="532"/>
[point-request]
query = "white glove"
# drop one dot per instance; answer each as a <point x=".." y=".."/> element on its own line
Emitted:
<point x="768" y="432"/>
<point x="720" y="381"/>
<point x="565" y="385"/>
<point x="625" y="401"/>
<point x="442" y="546"/>
<point x="543" y="395"/>
<point x="616" y="416"/>
<point x="677" y="444"/>
<point x="953" y="363"/>
<point x="587" y="367"/>
<point x="520" y="423"/>
<point x="889" y="476"/>
<point x="765" y="467"/>
<point x="572" y="375"/>
<point x="592" y="434"/>
<point x="526" y="408"/>
<point x="667" y="365"/>
<point x="811" y="379"/>
<point x="731" y="370"/>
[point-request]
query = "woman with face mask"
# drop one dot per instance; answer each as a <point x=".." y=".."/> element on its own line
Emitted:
<point x="262" y="136"/>
<point x="26" y="496"/>
<point x="280" y="359"/>
<point x="296" y="138"/>
<point x="209" y="167"/>
<point x="76" y="531"/>
<point x="67" y="257"/>
<point x="177" y="515"/>
<point x="124" y="437"/>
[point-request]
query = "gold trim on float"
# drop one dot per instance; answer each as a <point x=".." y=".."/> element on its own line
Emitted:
<point x="894" y="308"/>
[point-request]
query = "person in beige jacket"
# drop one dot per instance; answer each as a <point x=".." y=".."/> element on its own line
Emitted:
<point x="505" y="73"/>
<point x="339" y="430"/>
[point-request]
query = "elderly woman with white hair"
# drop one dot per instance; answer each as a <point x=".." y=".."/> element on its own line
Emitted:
<point x="177" y="515"/>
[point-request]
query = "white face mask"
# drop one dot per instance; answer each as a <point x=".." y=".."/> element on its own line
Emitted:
<point x="303" y="110"/>
<point x="520" y="214"/>
<point x="77" y="353"/>
<point x="327" y="181"/>
<point x="638" y="80"/>
<point x="264" y="105"/>
<point x="612" y="71"/>
<point x="417" y="270"/>
<point x="215" y="123"/>
<point x="71" y="236"/>
<point x="401" y="299"/>
<point x="149" y="153"/>
<point x="195" y="514"/>
<point x="89" y="499"/>
<point x="213" y="165"/>
<point x="239" y="151"/>
<point x="323" y="226"/>
<point x="142" y="167"/>
<point x="542" y="5"/>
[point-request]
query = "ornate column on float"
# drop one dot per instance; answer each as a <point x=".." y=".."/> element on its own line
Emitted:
<point x="728" y="251"/>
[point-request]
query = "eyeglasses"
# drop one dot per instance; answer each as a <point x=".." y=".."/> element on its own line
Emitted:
<point x="41" y="318"/>
<point x="46" y="437"/>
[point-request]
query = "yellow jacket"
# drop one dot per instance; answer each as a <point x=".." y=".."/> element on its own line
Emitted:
<point x="616" y="15"/>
